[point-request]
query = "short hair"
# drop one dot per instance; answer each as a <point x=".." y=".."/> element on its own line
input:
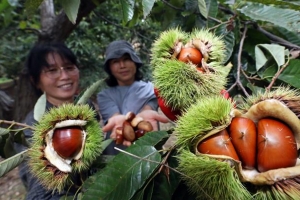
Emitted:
<point x="36" y="59"/>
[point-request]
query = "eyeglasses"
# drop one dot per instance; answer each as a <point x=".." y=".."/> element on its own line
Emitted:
<point x="55" y="72"/>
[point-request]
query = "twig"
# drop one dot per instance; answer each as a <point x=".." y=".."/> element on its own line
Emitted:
<point x="277" y="75"/>
<point x="13" y="123"/>
<point x="239" y="67"/>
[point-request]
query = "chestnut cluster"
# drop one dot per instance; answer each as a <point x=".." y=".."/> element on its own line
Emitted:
<point x="268" y="144"/>
<point x="133" y="128"/>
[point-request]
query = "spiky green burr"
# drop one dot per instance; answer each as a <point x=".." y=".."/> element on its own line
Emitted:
<point x="181" y="84"/>
<point x="48" y="174"/>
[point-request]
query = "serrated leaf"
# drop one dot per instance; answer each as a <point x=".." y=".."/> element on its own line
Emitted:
<point x="89" y="92"/>
<point x="11" y="163"/>
<point x="291" y="74"/>
<point x="3" y="131"/>
<point x="202" y="8"/>
<point x="127" y="7"/>
<point x="276" y="51"/>
<point x="288" y="18"/>
<point x="152" y="138"/>
<point x="125" y="174"/>
<point x="147" y="7"/>
<point x="71" y="9"/>
<point x="39" y="107"/>
<point x="31" y="6"/>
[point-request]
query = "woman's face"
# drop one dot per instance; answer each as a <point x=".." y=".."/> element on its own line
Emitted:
<point x="123" y="69"/>
<point x="60" y="85"/>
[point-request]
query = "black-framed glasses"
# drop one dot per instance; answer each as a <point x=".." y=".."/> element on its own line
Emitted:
<point x="55" y="72"/>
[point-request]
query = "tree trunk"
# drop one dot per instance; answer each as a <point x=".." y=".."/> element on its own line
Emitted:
<point x="54" y="28"/>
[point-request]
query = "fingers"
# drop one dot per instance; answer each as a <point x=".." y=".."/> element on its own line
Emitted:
<point x="162" y="118"/>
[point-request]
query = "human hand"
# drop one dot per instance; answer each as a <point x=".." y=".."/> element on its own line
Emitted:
<point x="148" y="115"/>
<point x="113" y="123"/>
<point x="153" y="117"/>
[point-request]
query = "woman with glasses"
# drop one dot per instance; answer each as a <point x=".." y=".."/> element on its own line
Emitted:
<point x="52" y="68"/>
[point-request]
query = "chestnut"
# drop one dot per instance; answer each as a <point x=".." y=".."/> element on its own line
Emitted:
<point x="129" y="116"/>
<point x="128" y="131"/>
<point x="190" y="54"/>
<point x="145" y="125"/>
<point x="218" y="144"/>
<point x="119" y="135"/>
<point x="276" y="145"/>
<point x="243" y="134"/>
<point x="139" y="133"/>
<point x="67" y="141"/>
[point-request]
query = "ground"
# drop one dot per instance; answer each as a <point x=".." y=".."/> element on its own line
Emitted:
<point x="11" y="187"/>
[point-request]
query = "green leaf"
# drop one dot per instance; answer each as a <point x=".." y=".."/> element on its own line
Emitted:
<point x="229" y="39"/>
<point x="89" y="92"/>
<point x="152" y="138"/>
<point x="4" y="5"/>
<point x="3" y="131"/>
<point x="71" y="9"/>
<point x="147" y="7"/>
<point x="127" y="7"/>
<point x="31" y="6"/>
<point x="291" y="74"/>
<point x="288" y="19"/>
<point x="125" y="174"/>
<point x="39" y="107"/>
<point x="202" y="8"/>
<point x="287" y="4"/>
<point x="22" y="24"/>
<point x="12" y="162"/>
<point x="276" y="51"/>
<point x="105" y="143"/>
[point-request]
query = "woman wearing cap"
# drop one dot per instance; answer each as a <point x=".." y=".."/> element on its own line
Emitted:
<point x="127" y="92"/>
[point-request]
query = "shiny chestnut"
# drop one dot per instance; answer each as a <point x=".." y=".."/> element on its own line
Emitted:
<point x="67" y="141"/>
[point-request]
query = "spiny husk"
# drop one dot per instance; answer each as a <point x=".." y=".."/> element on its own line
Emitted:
<point x="290" y="97"/>
<point x="163" y="47"/>
<point x="285" y="190"/>
<point x="49" y="175"/>
<point x="181" y="84"/>
<point x="208" y="113"/>
<point x="209" y="178"/>
<point x="217" y="51"/>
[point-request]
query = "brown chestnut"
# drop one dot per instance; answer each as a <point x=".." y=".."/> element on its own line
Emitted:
<point x="145" y="125"/>
<point x="139" y="133"/>
<point x="128" y="131"/>
<point x="190" y="54"/>
<point x="119" y="135"/>
<point x="218" y="144"/>
<point x="67" y="141"/>
<point x="129" y="116"/>
<point x="276" y="145"/>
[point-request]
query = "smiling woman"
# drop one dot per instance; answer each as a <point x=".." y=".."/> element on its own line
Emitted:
<point x="52" y="68"/>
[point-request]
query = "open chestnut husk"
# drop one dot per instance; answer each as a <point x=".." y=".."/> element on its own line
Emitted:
<point x="67" y="139"/>
<point x="268" y="168"/>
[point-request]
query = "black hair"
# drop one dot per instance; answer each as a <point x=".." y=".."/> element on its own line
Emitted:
<point x="111" y="81"/>
<point x="36" y="59"/>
